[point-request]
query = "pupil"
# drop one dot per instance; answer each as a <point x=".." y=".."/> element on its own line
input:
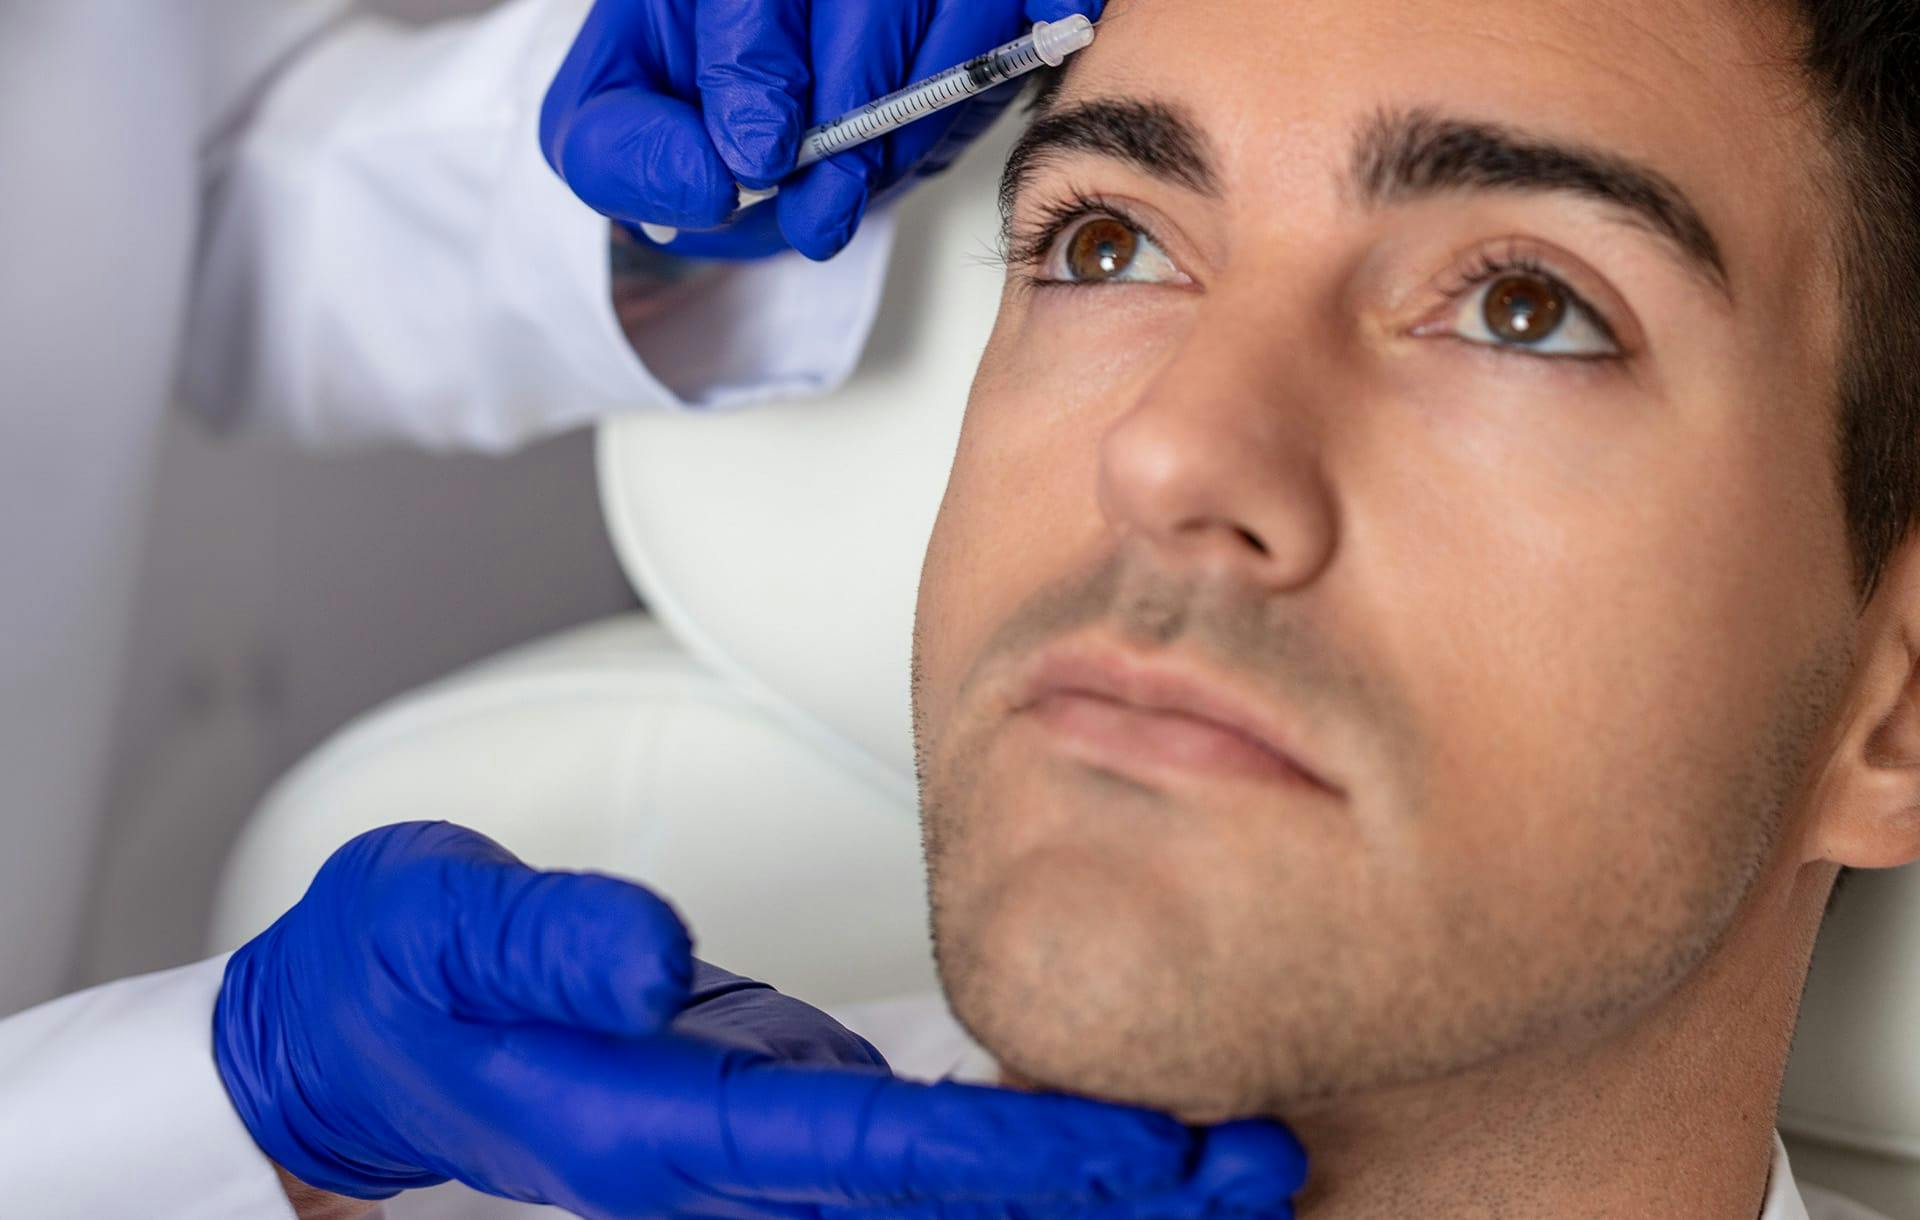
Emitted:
<point x="1525" y="308"/>
<point x="1101" y="250"/>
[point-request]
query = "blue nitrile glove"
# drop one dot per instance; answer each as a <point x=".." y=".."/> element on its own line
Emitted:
<point x="435" y="1009"/>
<point x="663" y="105"/>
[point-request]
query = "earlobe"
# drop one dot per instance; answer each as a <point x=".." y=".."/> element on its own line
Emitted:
<point x="1868" y="813"/>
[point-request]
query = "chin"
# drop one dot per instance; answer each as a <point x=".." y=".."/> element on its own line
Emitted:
<point x="1082" y="975"/>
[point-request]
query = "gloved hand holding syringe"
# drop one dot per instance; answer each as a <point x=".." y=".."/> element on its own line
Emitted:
<point x="663" y="109"/>
<point x="1046" y="47"/>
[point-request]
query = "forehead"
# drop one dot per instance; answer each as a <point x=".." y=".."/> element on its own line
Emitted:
<point x="1700" y="90"/>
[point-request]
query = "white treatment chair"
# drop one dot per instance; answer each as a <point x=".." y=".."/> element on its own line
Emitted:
<point x="745" y="748"/>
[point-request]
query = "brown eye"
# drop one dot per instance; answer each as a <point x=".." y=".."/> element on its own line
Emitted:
<point x="1102" y="249"/>
<point x="1524" y="308"/>
<point x="1527" y="312"/>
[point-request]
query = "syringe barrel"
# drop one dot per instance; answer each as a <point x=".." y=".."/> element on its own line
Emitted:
<point x="1048" y="45"/>
<point x="891" y="113"/>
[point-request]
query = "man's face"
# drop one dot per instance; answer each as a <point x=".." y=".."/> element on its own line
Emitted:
<point x="1448" y="387"/>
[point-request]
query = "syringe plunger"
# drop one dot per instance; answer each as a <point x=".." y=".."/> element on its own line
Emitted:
<point x="1054" y="41"/>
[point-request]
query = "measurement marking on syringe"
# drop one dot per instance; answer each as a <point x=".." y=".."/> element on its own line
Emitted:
<point x="1048" y="44"/>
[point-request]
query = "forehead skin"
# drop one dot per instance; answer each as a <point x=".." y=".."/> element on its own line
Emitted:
<point x="1711" y="101"/>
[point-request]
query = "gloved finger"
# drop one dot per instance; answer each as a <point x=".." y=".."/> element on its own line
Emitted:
<point x="621" y="44"/>
<point x="820" y="216"/>
<point x="1077" y="1210"/>
<point x="841" y="1137"/>
<point x="860" y="52"/>
<point x="673" y="1126"/>
<point x="1250" y="1165"/>
<point x="607" y="1128"/>
<point x="601" y="1127"/>
<point x="754" y="77"/>
<point x="1073" y="1210"/>
<point x="1241" y="1170"/>
<point x="1054" y="10"/>
<point x="577" y="950"/>
<point x="729" y="1210"/>
<point x="1238" y="1170"/>
<point x="589" y="62"/>
<point x="642" y="157"/>
<point x="730" y="1010"/>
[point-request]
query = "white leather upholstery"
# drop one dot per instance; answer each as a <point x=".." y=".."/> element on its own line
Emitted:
<point x="757" y="765"/>
<point x="608" y="749"/>
<point x="1851" y="1108"/>
<point x="783" y="545"/>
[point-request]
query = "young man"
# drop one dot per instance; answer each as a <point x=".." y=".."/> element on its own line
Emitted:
<point x="1475" y="614"/>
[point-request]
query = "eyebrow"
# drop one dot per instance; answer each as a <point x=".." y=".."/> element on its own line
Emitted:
<point x="1403" y="155"/>
<point x="1399" y="156"/>
<point x="1150" y="135"/>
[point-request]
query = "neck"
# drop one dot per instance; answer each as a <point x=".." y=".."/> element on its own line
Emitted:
<point x="1672" y="1116"/>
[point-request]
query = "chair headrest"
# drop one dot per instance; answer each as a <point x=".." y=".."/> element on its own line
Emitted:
<point x="782" y="544"/>
<point x="1854" y="1076"/>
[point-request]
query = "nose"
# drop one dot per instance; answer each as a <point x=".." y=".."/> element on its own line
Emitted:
<point x="1219" y="463"/>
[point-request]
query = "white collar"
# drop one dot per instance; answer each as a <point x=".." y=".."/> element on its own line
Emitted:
<point x="1783" y="1194"/>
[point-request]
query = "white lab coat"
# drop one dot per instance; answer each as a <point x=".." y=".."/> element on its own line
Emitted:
<point x="383" y="255"/>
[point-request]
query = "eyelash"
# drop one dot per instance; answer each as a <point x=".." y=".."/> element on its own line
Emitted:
<point x="1027" y="247"/>
<point x="1486" y="265"/>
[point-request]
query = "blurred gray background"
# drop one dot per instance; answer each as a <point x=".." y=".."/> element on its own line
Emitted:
<point x="283" y="593"/>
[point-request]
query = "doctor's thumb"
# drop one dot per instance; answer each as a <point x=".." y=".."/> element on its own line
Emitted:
<point x="466" y="926"/>
<point x="643" y="157"/>
<point x="571" y="949"/>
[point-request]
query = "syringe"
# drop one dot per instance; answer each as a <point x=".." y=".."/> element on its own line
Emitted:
<point x="1047" y="46"/>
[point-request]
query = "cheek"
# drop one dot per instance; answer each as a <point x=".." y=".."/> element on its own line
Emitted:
<point x="1602" y="601"/>
<point x="1021" y="506"/>
<point x="1062" y="352"/>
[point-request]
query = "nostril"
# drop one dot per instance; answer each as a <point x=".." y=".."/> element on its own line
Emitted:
<point x="1252" y="539"/>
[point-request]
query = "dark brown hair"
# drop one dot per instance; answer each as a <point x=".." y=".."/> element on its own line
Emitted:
<point x="1861" y="60"/>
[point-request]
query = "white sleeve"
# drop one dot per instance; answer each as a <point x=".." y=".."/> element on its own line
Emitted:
<point x="110" y="1105"/>
<point x="387" y="256"/>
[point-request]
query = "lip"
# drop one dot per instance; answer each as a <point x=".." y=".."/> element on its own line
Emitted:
<point x="1136" y="711"/>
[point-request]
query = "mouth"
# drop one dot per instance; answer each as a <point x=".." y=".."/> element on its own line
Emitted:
<point x="1146" y="716"/>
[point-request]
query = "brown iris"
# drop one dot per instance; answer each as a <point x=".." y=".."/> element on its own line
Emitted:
<point x="1525" y="308"/>
<point x="1101" y="249"/>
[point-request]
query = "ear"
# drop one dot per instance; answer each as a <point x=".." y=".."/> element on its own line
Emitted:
<point x="1867" y="812"/>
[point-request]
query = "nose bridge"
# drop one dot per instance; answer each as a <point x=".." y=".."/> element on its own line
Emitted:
<point x="1221" y="458"/>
